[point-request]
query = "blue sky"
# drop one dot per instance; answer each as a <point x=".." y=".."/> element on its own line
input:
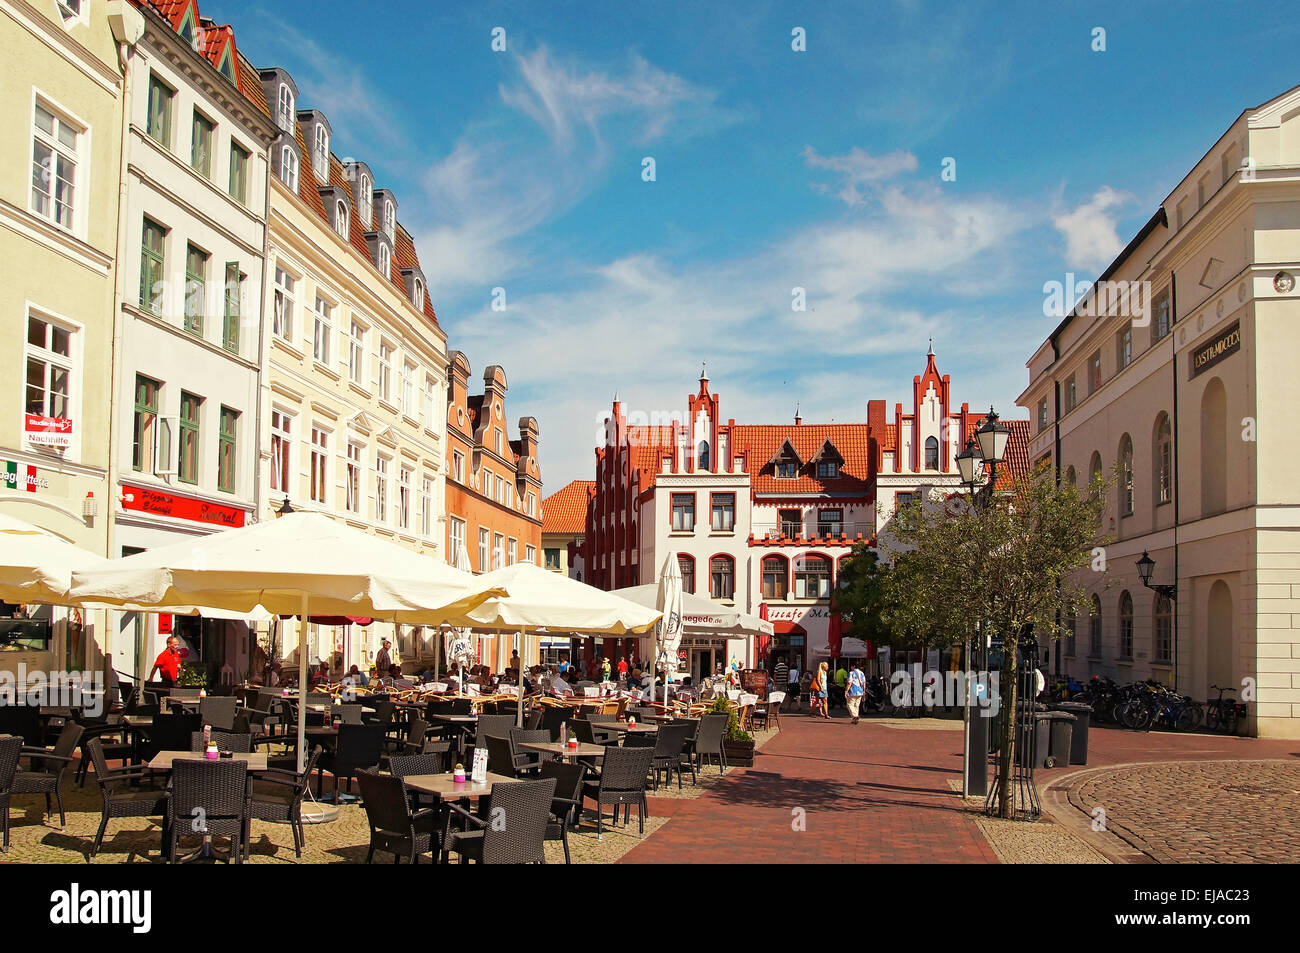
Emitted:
<point x="774" y="169"/>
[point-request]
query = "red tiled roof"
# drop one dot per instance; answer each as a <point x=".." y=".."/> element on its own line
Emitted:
<point x="565" y="510"/>
<point x="763" y="440"/>
<point x="1016" y="464"/>
<point x="648" y="446"/>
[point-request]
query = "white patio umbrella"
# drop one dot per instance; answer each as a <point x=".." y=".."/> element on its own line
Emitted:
<point x="37" y="566"/>
<point x="542" y="600"/>
<point x="295" y="565"/>
<point x="702" y="615"/>
<point x="668" y="630"/>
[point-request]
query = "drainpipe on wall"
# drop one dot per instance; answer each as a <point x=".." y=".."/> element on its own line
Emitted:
<point x="1173" y="453"/>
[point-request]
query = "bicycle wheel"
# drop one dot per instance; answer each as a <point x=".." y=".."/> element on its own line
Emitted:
<point x="1186" y="719"/>
<point x="1212" y="718"/>
<point x="1230" y="720"/>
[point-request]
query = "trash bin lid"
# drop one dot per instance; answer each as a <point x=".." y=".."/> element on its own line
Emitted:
<point x="1081" y="707"/>
<point x="1059" y="716"/>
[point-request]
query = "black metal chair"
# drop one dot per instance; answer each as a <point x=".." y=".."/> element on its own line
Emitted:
<point x="11" y="747"/>
<point x="669" y="742"/>
<point x="394" y="827"/>
<point x="47" y="766"/>
<point x="276" y="796"/>
<point x="708" y="741"/>
<point x="622" y="781"/>
<point x="516" y="835"/>
<point x="208" y="798"/>
<point x="358" y="747"/>
<point x="236" y="742"/>
<point x="120" y="799"/>
<point x="461" y="706"/>
<point x="566" y="805"/>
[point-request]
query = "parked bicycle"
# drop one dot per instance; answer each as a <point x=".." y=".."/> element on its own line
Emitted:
<point x="1224" y="714"/>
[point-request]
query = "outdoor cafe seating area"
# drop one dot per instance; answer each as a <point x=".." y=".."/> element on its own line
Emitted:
<point x="404" y="756"/>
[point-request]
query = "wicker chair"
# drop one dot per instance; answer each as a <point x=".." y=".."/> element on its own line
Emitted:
<point x="591" y="734"/>
<point x="461" y="706"/>
<point x="208" y="798"/>
<point x="670" y="740"/>
<point x="492" y="725"/>
<point x="11" y="747"/>
<point x="23" y="721"/>
<point x="501" y="756"/>
<point x="276" y="796"/>
<point x="394" y="827"/>
<point x="622" y="781"/>
<point x="520" y="839"/>
<point x="708" y="741"/>
<point x="553" y="716"/>
<point x="534" y="720"/>
<point x="236" y="742"/>
<point x="358" y="747"/>
<point x="45" y="775"/>
<point x="168" y="733"/>
<point x="566" y="806"/>
<point x="406" y="765"/>
<point x="120" y="800"/>
<point x="219" y="711"/>
<point x="528" y="761"/>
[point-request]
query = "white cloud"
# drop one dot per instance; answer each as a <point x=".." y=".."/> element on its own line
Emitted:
<point x="1091" y="238"/>
<point x="859" y="171"/>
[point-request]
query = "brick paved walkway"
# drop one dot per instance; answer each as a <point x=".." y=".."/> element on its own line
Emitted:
<point x="869" y="794"/>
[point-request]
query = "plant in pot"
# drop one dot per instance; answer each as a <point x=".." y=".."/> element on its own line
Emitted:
<point x="192" y="675"/>
<point x="736" y="741"/>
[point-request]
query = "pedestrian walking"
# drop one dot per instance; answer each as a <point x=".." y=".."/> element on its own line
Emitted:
<point x="820" y="690"/>
<point x="854" y="691"/>
<point x="793" y="688"/>
<point x="780" y="674"/>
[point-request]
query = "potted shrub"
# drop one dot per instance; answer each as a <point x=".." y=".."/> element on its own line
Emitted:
<point x="192" y="675"/>
<point x="737" y="743"/>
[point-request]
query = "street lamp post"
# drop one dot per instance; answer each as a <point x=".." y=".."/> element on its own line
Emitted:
<point x="985" y="451"/>
<point x="1146" y="565"/>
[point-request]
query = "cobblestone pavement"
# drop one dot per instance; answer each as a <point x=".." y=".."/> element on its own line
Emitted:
<point x="1197" y="811"/>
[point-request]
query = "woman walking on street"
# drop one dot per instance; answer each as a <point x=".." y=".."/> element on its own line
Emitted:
<point x="819" y="691"/>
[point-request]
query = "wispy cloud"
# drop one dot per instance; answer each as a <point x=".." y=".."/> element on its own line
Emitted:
<point x="1090" y="229"/>
<point x="858" y="170"/>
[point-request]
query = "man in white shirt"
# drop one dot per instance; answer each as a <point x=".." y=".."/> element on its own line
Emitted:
<point x="792" y="692"/>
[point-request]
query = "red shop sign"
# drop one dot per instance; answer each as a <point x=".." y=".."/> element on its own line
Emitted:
<point x="181" y="507"/>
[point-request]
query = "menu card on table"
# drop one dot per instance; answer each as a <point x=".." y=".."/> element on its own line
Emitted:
<point x="479" y="771"/>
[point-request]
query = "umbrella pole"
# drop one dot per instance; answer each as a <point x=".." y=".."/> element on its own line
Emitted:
<point x="519" y="685"/>
<point x="302" y="686"/>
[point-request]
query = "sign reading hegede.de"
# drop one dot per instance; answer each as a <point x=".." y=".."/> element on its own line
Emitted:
<point x="1224" y="344"/>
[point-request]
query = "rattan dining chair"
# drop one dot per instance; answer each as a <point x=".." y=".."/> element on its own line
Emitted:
<point x="120" y="799"/>
<point x="622" y="781"/>
<point x="708" y="741"/>
<point x="670" y="739"/>
<point x="209" y="798"/>
<point x="566" y="805"/>
<point x="527" y="761"/>
<point x="512" y="830"/>
<point x="276" y="796"/>
<point x="11" y="747"/>
<point x="219" y="711"/>
<point x="47" y="767"/>
<point x="394" y="827"/>
<point x="358" y="747"/>
<point x="237" y="742"/>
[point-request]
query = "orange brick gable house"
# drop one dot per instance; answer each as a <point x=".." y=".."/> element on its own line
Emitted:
<point x="762" y="516"/>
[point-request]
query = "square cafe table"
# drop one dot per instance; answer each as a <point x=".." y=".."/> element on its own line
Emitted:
<point x="445" y="786"/>
<point x="639" y="728"/>
<point x="584" y="749"/>
<point x="162" y="761"/>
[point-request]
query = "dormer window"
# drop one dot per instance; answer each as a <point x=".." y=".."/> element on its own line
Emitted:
<point x="828" y="470"/>
<point x="417" y="298"/>
<point x="366" y="201"/>
<point x="341" y="218"/>
<point x="285" y="113"/>
<point x="390" y="218"/>
<point x="322" y="154"/>
<point x="787" y="470"/>
<point x="385" y="260"/>
<point x="289" y="167"/>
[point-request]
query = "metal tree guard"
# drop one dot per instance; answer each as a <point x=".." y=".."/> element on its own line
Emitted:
<point x="1024" y="742"/>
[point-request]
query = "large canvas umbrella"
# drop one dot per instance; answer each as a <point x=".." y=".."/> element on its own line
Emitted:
<point x="668" y="630"/>
<point x="542" y="600"/>
<point x="295" y="565"/>
<point x="37" y="566"/>
<point x="702" y="615"/>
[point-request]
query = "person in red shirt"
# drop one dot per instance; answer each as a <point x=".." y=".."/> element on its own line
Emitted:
<point x="622" y="667"/>
<point x="168" y="663"/>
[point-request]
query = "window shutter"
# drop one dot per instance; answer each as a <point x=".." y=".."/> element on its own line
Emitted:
<point x="164" y="451"/>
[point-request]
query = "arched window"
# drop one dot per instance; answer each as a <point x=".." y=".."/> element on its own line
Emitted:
<point x="1070" y="478"/>
<point x="366" y="202"/>
<point x="1162" y="648"/>
<point x="812" y="577"/>
<point x="1126" y="475"/>
<point x="722" y="577"/>
<point x="703" y="455"/>
<point x="341" y="217"/>
<point x="1125" y="625"/>
<point x="1214" y="449"/>
<point x="390" y="217"/>
<point x="321" y="158"/>
<point x="1162" y="454"/>
<point x="687" y="566"/>
<point x="289" y="167"/>
<point x="931" y="453"/>
<point x="285" y="117"/>
<point x="1094" y="467"/>
<point x="1071" y="626"/>
<point x="775" y="577"/>
<point x="1094" y="628"/>
<point x="417" y="298"/>
<point x="385" y="261"/>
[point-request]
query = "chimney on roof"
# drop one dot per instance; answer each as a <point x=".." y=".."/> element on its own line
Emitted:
<point x="797" y="419"/>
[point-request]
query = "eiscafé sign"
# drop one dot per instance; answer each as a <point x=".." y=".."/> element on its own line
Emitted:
<point x="1206" y="355"/>
<point x="42" y="431"/>
<point x="794" y="613"/>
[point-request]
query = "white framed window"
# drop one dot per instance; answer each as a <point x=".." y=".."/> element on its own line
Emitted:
<point x="57" y="144"/>
<point x="530" y="555"/>
<point x="321" y="154"/>
<point x="390" y="219"/>
<point x="385" y="261"/>
<point x="320" y="453"/>
<point x="510" y="494"/>
<point x="381" y="489"/>
<point x="341" y="224"/>
<point x="322" y="331"/>
<point x="73" y="11"/>
<point x="457" y="537"/>
<point x="482" y="548"/>
<point x="353" y="501"/>
<point x="385" y="371"/>
<point x="430" y="401"/>
<point x="532" y="504"/>
<point x="289" y="167"/>
<point x="282" y="304"/>
<point x="498" y="551"/>
<point x="417" y="296"/>
<point x="366" y="202"/>
<point x="281" y="451"/>
<point x="158" y="122"/>
<point x="408" y="390"/>
<point x="426" y="512"/>
<point x="51" y="374"/>
<point x="357" y="353"/>
<point x="284" y="114"/>
<point x="404" y="498"/>
<point x="496" y="440"/>
<point x="499" y="493"/>
<point x="458" y="466"/>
